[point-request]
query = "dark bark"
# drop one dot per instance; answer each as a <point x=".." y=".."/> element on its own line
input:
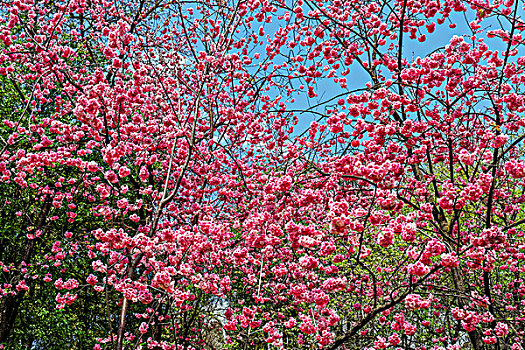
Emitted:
<point x="372" y="315"/>
<point x="10" y="304"/>
<point x="474" y="336"/>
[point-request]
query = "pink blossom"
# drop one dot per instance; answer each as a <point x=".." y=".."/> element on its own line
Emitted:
<point x="22" y="286"/>
<point x="143" y="328"/>
<point x="449" y="260"/>
<point x="418" y="269"/>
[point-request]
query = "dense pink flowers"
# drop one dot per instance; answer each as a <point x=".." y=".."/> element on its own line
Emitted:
<point x="337" y="174"/>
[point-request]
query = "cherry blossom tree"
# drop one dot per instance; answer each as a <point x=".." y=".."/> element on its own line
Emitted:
<point x="253" y="174"/>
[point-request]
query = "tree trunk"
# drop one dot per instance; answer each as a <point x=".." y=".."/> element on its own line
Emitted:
<point x="10" y="304"/>
<point x="475" y="338"/>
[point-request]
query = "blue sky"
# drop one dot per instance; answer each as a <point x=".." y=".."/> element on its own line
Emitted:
<point x="412" y="48"/>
